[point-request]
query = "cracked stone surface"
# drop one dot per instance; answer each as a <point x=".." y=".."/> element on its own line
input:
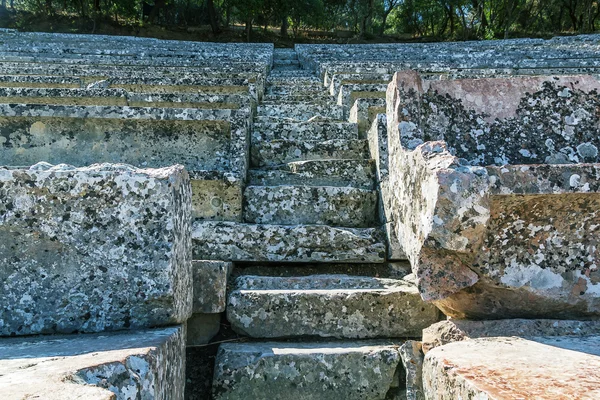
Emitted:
<point x="148" y="364"/>
<point x="117" y="237"/>
<point x="339" y="306"/>
<point x="350" y="370"/>
<point x="492" y="242"/>
<point x="510" y="368"/>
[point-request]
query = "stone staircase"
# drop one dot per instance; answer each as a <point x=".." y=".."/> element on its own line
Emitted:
<point x="310" y="171"/>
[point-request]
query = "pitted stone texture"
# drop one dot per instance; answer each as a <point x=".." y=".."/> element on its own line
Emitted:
<point x="352" y="173"/>
<point x="339" y="306"/>
<point x="210" y="285"/>
<point x="493" y="242"/>
<point x="364" y="111"/>
<point x="301" y="111"/>
<point x="279" y="152"/>
<point x="511" y="368"/>
<point x="83" y="141"/>
<point x="349" y="92"/>
<point x="94" y="249"/>
<point x="323" y="205"/>
<point x="293" y="130"/>
<point x="520" y="120"/>
<point x="449" y="331"/>
<point x="290" y="243"/>
<point x="146" y="364"/>
<point x="307" y="371"/>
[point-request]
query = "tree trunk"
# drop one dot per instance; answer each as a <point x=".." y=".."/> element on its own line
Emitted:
<point x="212" y="14"/>
<point x="248" y="29"/>
<point x="97" y="5"/>
<point x="284" y="27"/>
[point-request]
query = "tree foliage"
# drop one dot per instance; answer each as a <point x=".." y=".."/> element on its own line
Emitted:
<point x="438" y="19"/>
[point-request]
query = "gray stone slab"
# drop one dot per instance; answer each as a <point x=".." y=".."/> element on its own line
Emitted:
<point x="297" y="205"/>
<point x="349" y="370"/>
<point x="294" y="130"/>
<point x="412" y="360"/>
<point x="284" y="151"/>
<point x="94" y="249"/>
<point x="342" y="173"/>
<point x="449" y="331"/>
<point x="300" y="111"/>
<point x="291" y="243"/>
<point x="147" y="364"/>
<point x="509" y="368"/>
<point x="339" y="306"/>
<point x="210" y="285"/>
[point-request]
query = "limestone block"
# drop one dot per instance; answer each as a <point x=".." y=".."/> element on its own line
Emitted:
<point x="282" y="151"/>
<point x="210" y="285"/>
<point x="148" y="364"/>
<point x="348" y="370"/>
<point x="510" y="368"/>
<point x="487" y="241"/>
<point x="290" y="243"/>
<point x="328" y="306"/>
<point x="295" y="205"/>
<point x="94" y="249"/>
<point x="454" y="330"/>
<point x="311" y="130"/>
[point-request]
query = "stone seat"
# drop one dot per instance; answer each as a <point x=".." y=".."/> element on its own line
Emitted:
<point x="142" y="364"/>
<point x="117" y="237"/>
<point x="121" y="97"/>
<point x="501" y="241"/>
<point x="210" y="143"/>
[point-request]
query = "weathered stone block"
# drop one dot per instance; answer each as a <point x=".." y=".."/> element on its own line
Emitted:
<point x="93" y="249"/>
<point x="449" y="331"/>
<point x="146" y="364"/>
<point x="509" y="368"/>
<point x="326" y="205"/>
<point x="290" y="243"/>
<point x="329" y="306"/>
<point x="324" y="371"/>
<point x="210" y="285"/>
<point x="487" y="241"/>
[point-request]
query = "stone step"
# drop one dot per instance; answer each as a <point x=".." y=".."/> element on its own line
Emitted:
<point x="284" y="55"/>
<point x="354" y="173"/>
<point x="301" y="111"/>
<point x="282" y="73"/>
<point x="323" y="205"/>
<point x="286" y="63"/>
<point x="340" y="306"/>
<point x="293" y="90"/>
<point x="212" y="240"/>
<point x="268" y="129"/>
<point x="279" y="152"/>
<point x="361" y="370"/>
<point x="298" y="98"/>
<point x="294" y="81"/>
